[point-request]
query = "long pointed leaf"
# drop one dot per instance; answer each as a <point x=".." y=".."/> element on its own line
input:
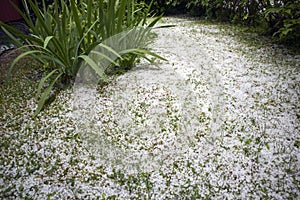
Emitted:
<point x="47" y="40"/>
<point x="8" y="29"/>
<point x="110" y="50"/>
<point x="76" y="18"/>
<point x="141" y="52"/>
<point x="42" y="82"/>
<point x="94" y="66"/>
<point x="45" y="95"/>
<point x="105" y="56"/>
<point x="17" y="60"/>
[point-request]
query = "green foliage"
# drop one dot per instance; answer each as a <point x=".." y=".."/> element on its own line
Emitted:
<point x="63" y="35"/>
<point x="284" y="20"/>
<point x="279" y="18"/>
<point x="167" y="7"/>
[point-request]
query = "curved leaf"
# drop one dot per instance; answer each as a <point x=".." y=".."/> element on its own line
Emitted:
<point x="47" y="40"/>
<point x="19" y="58"/>
<point x="94" y="66"/>
<point x="45" y="95"/>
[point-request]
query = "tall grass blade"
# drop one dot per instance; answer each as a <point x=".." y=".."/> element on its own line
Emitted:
<point x="94" y="66"/>
<point x="89" y="19"/>
<point x="9" y="74"/>
<point x="121" y="12"/>
<point x="45" y="94"/>
<point x="8" y="29"/>
<point x="47" y="40"/>
<point x="76" y="18"/>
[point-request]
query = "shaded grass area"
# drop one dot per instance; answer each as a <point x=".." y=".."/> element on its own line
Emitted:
<point x="252" y="36"/>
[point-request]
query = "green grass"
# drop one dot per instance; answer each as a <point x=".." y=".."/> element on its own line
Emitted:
<point x="51" y="150"/>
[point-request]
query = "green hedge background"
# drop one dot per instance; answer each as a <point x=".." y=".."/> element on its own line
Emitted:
<point x="278" y="18"/>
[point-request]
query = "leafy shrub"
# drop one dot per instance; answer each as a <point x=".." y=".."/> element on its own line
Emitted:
<point x="284" y="20"/>
<point x="63" y="34"/>
<point x="167" y="7"/>
<point x="280" y="18"/>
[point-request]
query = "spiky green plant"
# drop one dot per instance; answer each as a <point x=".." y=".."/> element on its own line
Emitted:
<point x="63" y="35"/>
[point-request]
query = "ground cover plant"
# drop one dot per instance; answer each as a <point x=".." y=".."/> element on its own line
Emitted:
<point x="64" y="33"/>
<point x="219" y="120"/>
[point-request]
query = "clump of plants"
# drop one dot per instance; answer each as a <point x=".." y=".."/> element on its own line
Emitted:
<point x="64" y="33"/>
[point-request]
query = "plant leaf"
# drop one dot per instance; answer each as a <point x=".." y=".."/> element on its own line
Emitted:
<point x="45" y="95"/>
<point x="94" y="66"/>
<point x="47" y="40"/>
<point x="42" y="82"/>
<point x="142" y="52"/>
<point x="17" y="60"/>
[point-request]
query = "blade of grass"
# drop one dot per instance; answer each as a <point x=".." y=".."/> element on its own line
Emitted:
<point x="9" y="74"/>
<point x="94" y="66"/>
<point x="144" y="21"/>
<point x="76" y="18"/>
<point x="110" y="50"/>
<point x="42" y="82"/>
<point x="45" y="95"/>
<point x="141" y="52"/>
<point x="47" y="40"/>
<point x="39" y="18"/>
<point x="89" y="19"/>
<point x="121" y="12"/>
<point x="102" y="55"/>
<point x="8" y="29"/>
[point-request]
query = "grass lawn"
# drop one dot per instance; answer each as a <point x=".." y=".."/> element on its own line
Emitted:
<point x="218" y="120"/>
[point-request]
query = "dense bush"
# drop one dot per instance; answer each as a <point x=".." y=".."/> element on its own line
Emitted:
<point x="279" y="18"/>
<point x="282" y="17"/>
<point x="167" y="7"/>
<point x="284" y="20"/>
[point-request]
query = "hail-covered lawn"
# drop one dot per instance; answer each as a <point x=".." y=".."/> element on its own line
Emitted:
<point x="219" y="119"/>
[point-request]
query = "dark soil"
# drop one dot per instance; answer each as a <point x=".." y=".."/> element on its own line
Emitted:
<point x="7" y="57"/>
<point x="5" y="62"/>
